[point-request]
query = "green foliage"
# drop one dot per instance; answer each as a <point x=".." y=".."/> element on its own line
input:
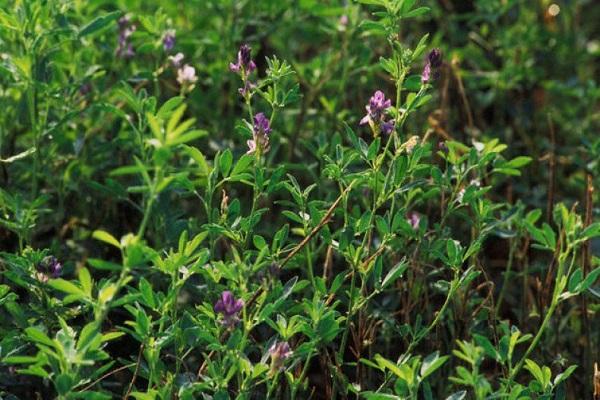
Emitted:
<point x="227" y="223"/>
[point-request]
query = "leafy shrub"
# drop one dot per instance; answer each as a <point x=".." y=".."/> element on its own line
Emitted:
<point x="295" y="200"/>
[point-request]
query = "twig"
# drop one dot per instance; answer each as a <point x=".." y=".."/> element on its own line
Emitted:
<point x="114" y="371"/>
<point x="586" y="354"/>
<point x="552" y="165"/>
<point x="463" y="95"/>
<point x="137" y="368"/>
<point x="324" y="221"/>
<point x="377" y="253"/>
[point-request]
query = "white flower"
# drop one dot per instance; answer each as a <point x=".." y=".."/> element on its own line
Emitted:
<point x="176" y="59"/>
<point x="478" y="146"/>
<point x="460" y="196"/>
<point x="186" y="75"/>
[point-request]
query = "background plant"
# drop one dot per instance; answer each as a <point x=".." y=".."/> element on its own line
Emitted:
<point x="195" y="202"/>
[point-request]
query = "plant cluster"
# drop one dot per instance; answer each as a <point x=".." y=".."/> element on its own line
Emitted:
<point x="192" y="207"/>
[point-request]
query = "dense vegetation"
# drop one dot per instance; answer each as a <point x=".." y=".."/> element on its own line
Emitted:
<point x="299" y="199"/>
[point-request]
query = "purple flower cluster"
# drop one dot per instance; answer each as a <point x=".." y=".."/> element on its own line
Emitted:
<point x="279" y="352"/>
<point x="126" y="29"/>
<point x="169" y="40"/>
<point x="244" y="66"/>
<point x="433" y="62"/>
<point x="48" y="268"/>
<point x="229" y="307"/>
<point x="260" y="134"/>
<point x="414" y="219"/>
<point x="376" y="109"/>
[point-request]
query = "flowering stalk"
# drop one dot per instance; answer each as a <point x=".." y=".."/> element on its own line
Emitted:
<point x="126" y="29"/>
<point x="169" y="40"/>
<point x="376" y="118"/>
<point x="229" y="307"/>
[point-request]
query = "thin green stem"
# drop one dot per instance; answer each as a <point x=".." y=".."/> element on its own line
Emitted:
<point x="350" y="313"/>
<point x="302" y="375"/>
<point x="558" y="288"/>
<point x="507" y="272"/>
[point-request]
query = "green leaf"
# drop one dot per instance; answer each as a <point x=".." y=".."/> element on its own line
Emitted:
<point x="19" y="360"/>
<point x="127" y="170"/>
<point x="188" y="137"/>
<point x="259" y="242"/>
<point x="372" y="2"/>
<point x="373" y="149"/>
<point x="589" y="280"/>
<point x="382" y="225"/>
<point x="379" y="396"/>
<point x="416" y="12"/>
<point x="106" y="238"/>
<point x="156" y="127"/>
<point x="575" y="280"/>
<point x="535" y="370"/>
<point x="86" y="281"/>
<point x="591" y="231"/>
<point x="458" y="395"/>
<point x="63" y="383"/>
<point x="99" y="23"/>
<point x="38" y="336"/>
<point x="394" y="273"/>
<point x="517" y="162"/>
<point x="431" y="363"/>
<point x="104" y="265"/>
<point x="87" y="335"/>
<point x="387" y="364"/>
<point x="66" y="287"/>
<point x="169" y="106"/>
<point x="564" y="375"/>
<point x="107" y="292"/>
<point x="199" y="158"/>
<point x="242" y="164"/>
<point x="225" y="161"/>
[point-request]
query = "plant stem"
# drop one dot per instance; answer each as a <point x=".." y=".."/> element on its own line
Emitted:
<point x="558" y="288"/>
<point x="511" y="254"/>
<point x="302" y="375"/>
<point x="536" y="339"/>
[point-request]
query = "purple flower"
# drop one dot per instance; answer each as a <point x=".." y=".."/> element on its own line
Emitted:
<point x="248" y="86"/>
<point x="426" y="74"/>
<point x="414" y="219"/>
<point x="388" y="126"/>
<point x="244" y="64"/>
<point x="229" y="307"/>
<point x="169" y="40"/>
<point x="435" y="58"/>
<point x="123" y="22"/>
<point x="126" y="29"/>
<point x="261" y="124"/>
<point x="433" y="62"/>
<point x="375" y="117"/>
<point x="279" y="352"/>
<point x="260" y="134"/>
<point x="48" y="268"/>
